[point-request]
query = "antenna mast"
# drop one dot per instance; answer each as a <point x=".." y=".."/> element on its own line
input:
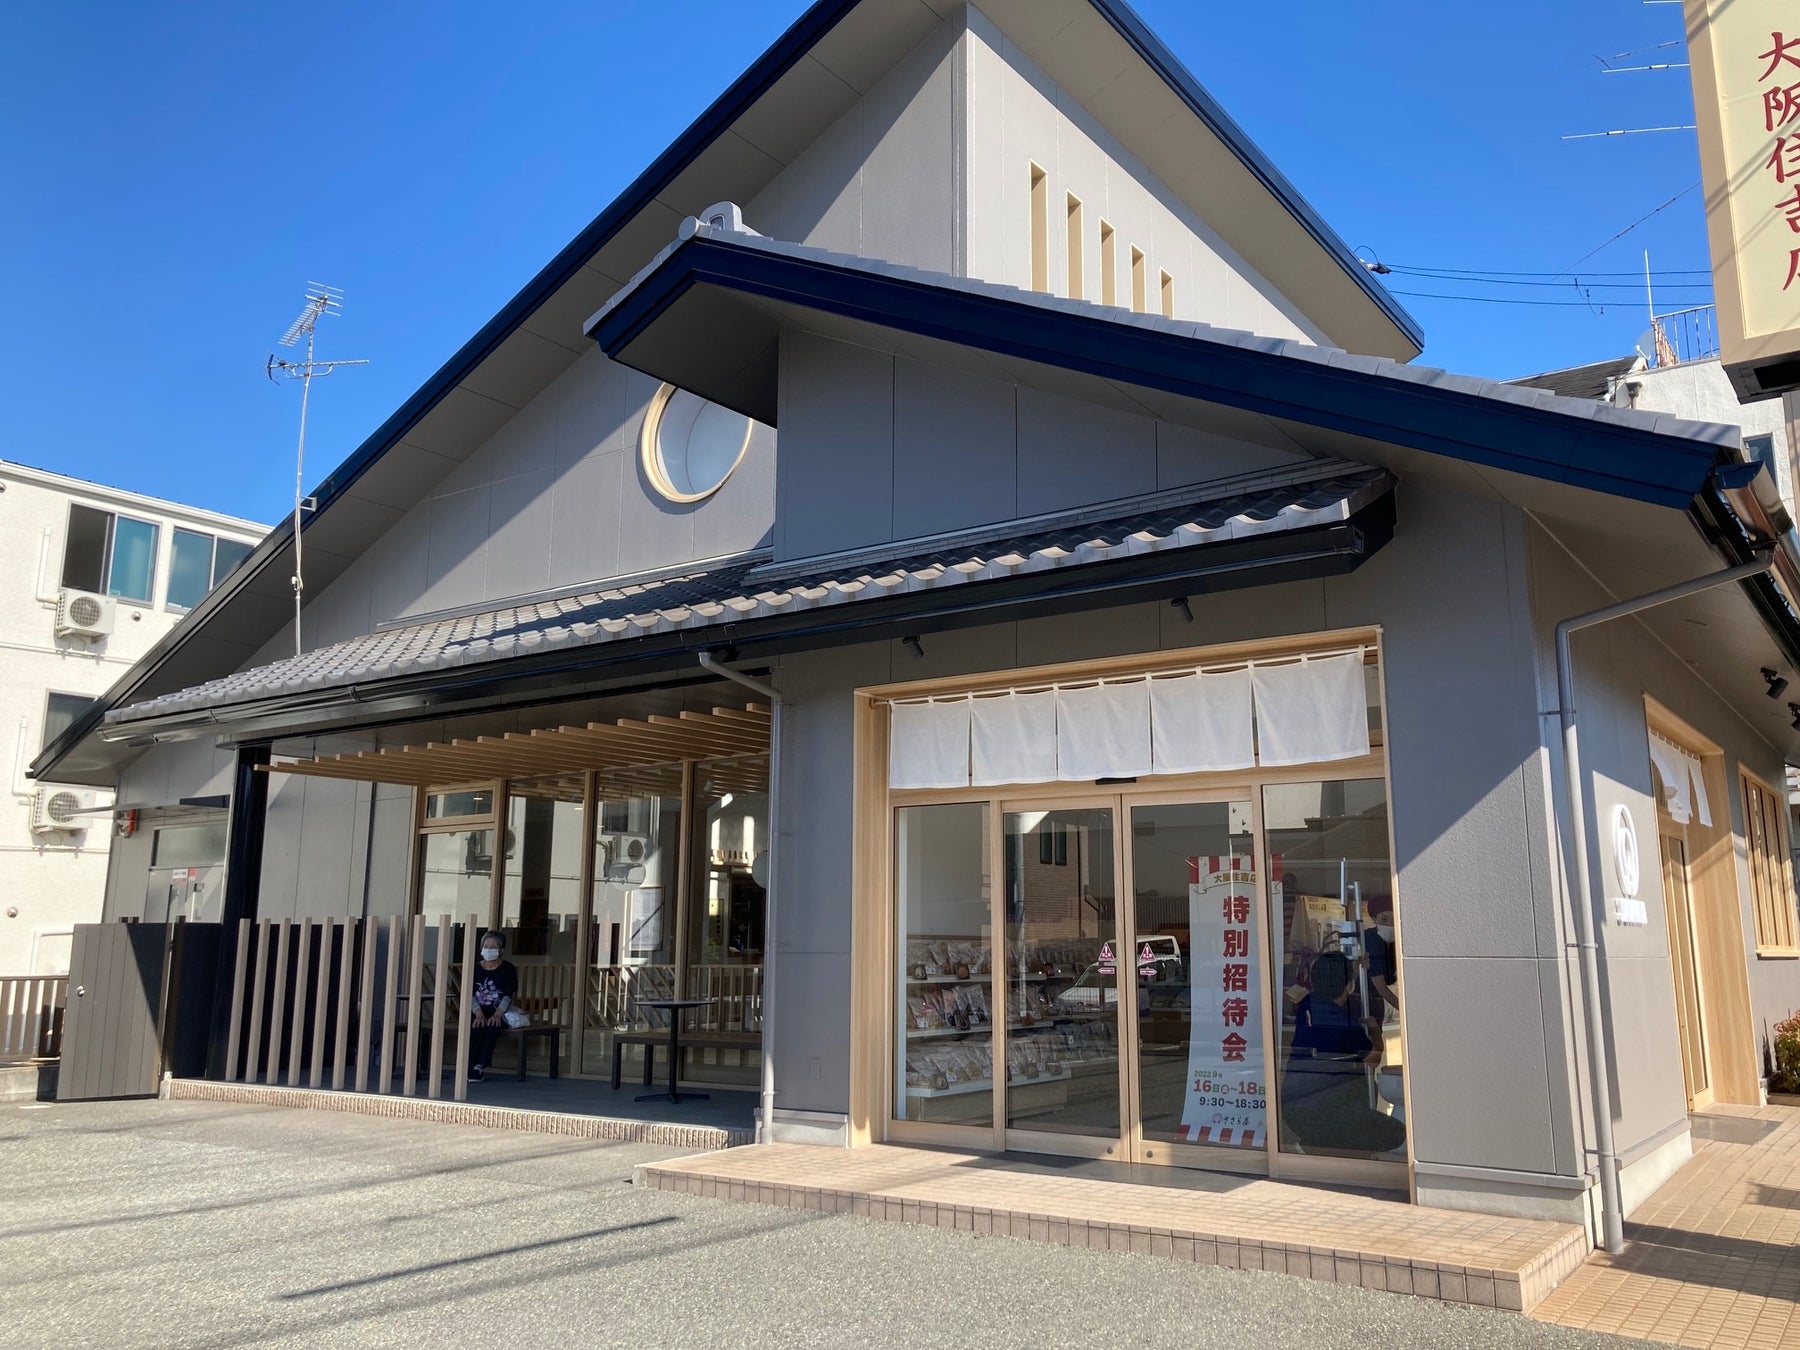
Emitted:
<point x="320" y="301"/>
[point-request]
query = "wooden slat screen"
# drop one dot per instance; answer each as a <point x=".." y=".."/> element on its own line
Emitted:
<point x="1771" y="869"/>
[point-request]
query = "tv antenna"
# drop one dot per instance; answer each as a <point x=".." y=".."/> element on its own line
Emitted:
<point x="320" y="301"/>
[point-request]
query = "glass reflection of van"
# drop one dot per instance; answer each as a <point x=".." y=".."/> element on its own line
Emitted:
<point x="1159" y="962"/>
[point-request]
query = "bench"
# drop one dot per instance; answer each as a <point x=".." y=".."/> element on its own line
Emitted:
<point x="651" y="1037"/>
<point x="549" y="1029"/>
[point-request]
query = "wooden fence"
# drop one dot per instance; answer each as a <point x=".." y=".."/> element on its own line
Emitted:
<point x="331" y="1002"/>
<point x="31" y="1016"/>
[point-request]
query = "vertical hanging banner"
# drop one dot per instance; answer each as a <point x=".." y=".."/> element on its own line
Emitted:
<point x="1744" y="57"/>
<point x="1226" y="1101"/>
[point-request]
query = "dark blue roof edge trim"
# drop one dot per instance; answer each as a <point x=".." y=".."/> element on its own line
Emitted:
<point x="1645" y="466"/>
<point x="787" y="50"/>
<point x="1179" y="78"/>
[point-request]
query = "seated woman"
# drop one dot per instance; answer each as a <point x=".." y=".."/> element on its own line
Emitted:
<point x="496" y="985"/>
<point x="1324" y="1090"/>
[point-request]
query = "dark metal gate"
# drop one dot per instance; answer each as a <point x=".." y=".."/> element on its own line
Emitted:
<point x="139" y="1001"/>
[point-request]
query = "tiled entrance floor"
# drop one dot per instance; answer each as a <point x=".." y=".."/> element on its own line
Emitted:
<point x="1711" y="1258"/>
<point x="1254" y="1224"/>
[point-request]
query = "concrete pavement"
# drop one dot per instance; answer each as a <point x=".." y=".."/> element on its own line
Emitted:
<point x="218" y="1225"/>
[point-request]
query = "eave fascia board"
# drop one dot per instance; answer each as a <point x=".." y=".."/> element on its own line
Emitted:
<point x="1637" y="464"/>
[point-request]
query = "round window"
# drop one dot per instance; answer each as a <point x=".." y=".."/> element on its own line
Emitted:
<point x="691" y="446"/>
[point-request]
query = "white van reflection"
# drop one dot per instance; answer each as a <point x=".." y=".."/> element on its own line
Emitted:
<point x="1160" y="967"/>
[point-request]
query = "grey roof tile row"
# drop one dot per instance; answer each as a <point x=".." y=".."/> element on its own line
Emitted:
<point x="748" y="589"/>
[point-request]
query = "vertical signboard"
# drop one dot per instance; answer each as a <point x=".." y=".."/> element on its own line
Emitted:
<point x="1226" y="1098"/>
<point x="1745" y="62"/>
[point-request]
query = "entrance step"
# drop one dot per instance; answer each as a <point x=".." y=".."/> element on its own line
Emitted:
<point x="1479" y="1259"/>
<point x="35" y="1082"/>
<point x="668" y="1133"/>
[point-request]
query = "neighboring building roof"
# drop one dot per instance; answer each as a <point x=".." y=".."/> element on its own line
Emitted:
<point x="1594" y="381"/>
<point x="1145" y="541"/>
<point x="82" y="487"/>
<point x="703" y="278"/>
<point x="838" y="49"/>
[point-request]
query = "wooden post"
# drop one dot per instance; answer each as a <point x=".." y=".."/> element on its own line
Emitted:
<point x="584" y="923"/>
<point x="346" y="996"/>
<point x="440" y="990"/>
<point x="297" y="1037"/>
<point x="415" y="989"/>
<point x="278" y="1002"/>
<point x="466" y="1006"/>
<point x="234" y="1033"/>
<point x="366" y="1018"/>
<point x="389" y="995"/>
<point x="258" y="991"/>
<point x="321" y="1004"/>
<point x="692" y="841"/>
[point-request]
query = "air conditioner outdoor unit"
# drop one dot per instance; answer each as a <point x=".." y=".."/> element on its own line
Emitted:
<point x="53" y="810"/>
<point x="624" y="852"/>
<point x="79" y="614"/>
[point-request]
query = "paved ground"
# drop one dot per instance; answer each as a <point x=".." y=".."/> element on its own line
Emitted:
<point x="213" y="1225"/>
<point x="1713" y="1258"/>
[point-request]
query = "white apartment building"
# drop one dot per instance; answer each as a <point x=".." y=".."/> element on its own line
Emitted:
<point x="91" y="578"/>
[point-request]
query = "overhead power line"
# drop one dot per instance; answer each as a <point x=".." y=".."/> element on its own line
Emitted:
<point x="1499" y="300"/>
<point x="1475" y="272"/>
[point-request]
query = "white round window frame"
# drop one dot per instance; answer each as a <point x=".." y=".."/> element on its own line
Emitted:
<point x="650" y="452"/>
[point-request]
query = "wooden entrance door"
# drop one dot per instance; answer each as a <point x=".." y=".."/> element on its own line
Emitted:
<point x="1684" y="959"/>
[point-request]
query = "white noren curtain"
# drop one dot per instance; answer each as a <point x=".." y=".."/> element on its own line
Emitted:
<point x="1103" y="731"/>
<point x="928" y="745"/>
<point x="1683" y="782"/>
<point x="1012" y="739"/>
<point x="1201" y="723"/>
<point x="1311" y="711"/>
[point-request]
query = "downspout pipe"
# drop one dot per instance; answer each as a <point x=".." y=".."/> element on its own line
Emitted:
<point x="766" y="1114"/>
<point x="1585" y="901"/>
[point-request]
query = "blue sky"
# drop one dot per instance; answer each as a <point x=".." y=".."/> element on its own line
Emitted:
<point x="176" y="174"/>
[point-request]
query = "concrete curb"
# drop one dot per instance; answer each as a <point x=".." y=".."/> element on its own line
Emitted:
<point x="698" y="1138"/>
<point x="34" y="1082"/>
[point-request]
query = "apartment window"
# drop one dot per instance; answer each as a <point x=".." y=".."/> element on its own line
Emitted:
<point x="1109" y="266"/>
<point x="109" y="554"/>
<point x="197" y="563"/>
<point x="1040" y="230"/>
<point x="61" y="711"/>
<point x="1074" y="238"/>
<point x="1140" y="281"/>
<point x="1771" y="883"/>
<point x="1168" y="296"/>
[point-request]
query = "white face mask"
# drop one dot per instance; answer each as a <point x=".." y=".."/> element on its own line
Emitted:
<point x="1386" y="930"/>
<point x="490" y="953"/>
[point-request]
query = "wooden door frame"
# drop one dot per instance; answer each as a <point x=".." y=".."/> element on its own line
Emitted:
<point x="1667" y="829"/>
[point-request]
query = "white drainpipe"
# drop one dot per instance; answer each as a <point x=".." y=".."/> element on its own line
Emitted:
<point x="766" y="1116"/>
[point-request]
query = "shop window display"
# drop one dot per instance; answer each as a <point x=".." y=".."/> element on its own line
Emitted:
<point x="1337" y="969"/>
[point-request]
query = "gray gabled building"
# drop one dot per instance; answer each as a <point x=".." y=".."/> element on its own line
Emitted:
<point x="1113" y="595"/>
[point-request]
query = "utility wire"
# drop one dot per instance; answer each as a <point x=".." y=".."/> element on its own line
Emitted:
<point x="1629" y="228"/>
<point x="1485" y="272"/>
<point x="1496" y="299"/>
<point x="1582" y="281"/>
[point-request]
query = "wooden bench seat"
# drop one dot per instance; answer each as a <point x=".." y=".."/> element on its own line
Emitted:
<point x="651" y="1037"/>
<point x="550" y="1029"/>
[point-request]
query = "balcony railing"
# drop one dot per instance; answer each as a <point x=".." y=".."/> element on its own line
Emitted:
<point x="1685" y="335"/>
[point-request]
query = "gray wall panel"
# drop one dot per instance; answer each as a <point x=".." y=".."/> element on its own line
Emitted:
<point x="520" y="520"/>
<point x="955" y="438"/>
<point x="1072" y="454"/>
<point x="836" y="477"/>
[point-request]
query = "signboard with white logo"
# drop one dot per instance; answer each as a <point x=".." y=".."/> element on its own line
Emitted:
<point x="1745" y="63"/>
<point x="1627" y="908"/>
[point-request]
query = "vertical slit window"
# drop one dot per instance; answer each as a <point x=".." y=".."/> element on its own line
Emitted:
<point x="1076" y="291"/>
<point x="1168" y="296"/>
<point x="1040" y="230"/>
<point x="1109" y="266"/>
<point x="1139" y="281"/>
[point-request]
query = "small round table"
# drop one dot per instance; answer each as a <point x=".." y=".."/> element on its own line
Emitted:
<point x="675" y="1007"/>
